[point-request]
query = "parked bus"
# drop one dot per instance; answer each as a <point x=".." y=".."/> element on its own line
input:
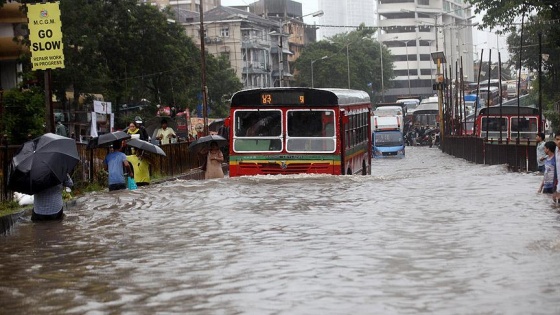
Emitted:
<point x="489" y="122"/>
<point x="426" y="114"/>
<point x="299" y="130"/>
<point x="494" y="92"/>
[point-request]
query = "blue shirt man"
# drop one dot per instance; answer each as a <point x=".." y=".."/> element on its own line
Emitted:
<point x="114" y="163"/>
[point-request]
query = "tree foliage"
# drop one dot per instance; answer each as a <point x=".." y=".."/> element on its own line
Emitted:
<point x="354" y="53"/>
<point x="130" y="52"/>
<point x="505" y="13"/>
<point x="525" y="20"/>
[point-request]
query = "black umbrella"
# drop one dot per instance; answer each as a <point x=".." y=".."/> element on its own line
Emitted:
<point x="107" y="138"/>
<point x="146" y="146"/>
<point x="201" y="142"/>
<point x="42" y="163"/>
<point x="111" y="137"/>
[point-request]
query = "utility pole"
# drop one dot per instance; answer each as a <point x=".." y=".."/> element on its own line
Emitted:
<point x="204" y="88"/>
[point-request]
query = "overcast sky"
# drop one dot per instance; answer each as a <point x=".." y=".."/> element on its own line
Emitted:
<point x="482" y="39"/>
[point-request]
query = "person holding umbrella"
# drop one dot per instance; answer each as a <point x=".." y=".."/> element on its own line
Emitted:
<point x="41" y="168"/>
<point x="140" y="162"/>
<point x="214" y="159"/>
<point x="48" y="203"/>
<point x="114" y="163"/>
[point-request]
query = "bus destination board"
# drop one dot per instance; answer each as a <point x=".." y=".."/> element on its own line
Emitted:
<point x="283" y="98"/>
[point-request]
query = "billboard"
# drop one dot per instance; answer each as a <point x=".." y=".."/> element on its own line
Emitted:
<point x="45" y="34"/>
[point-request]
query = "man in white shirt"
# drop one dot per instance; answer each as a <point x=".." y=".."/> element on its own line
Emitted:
<point x="165" y="133"/>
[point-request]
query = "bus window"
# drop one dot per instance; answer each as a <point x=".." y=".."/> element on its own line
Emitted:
<point x="523" y="124"/>
<point x="257" y="131"/>
<point x="308" y="131"/>
<point x="493" y="124"/>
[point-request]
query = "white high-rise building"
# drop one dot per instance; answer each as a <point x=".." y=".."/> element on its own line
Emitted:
<point x="339" y="13"/>
<point x="413" y="29"/>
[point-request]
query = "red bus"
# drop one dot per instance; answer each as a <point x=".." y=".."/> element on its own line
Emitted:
<point x="491" y="120"/>
<point x="299" y="130"/>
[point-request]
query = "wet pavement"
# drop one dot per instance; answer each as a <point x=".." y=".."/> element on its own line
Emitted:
<point x="428" y="234"/>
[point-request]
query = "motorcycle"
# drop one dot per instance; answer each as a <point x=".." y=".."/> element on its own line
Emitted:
<point x="429" y="138"/>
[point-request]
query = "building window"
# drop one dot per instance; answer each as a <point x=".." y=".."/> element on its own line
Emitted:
<point x="424" y="57"/>
<point x="226" y="56"/>
<point x="423" y="2"/>
<point x="224" y="32"/>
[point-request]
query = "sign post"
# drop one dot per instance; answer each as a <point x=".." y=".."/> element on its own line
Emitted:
<point x="438" y="58"/>
<point x="45" y="35"/>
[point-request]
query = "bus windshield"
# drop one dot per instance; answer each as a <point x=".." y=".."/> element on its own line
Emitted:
<point x="388" y="139"/>
<point x="258" y="130"/>
<point x="310" y="131"/>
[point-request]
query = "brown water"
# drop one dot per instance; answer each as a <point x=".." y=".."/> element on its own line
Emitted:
<point x="427" y="234"/>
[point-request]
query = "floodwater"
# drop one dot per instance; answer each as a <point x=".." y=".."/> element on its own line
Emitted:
<point x="428" y="234"/>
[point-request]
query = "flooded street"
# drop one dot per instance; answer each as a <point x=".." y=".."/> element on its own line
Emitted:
<point x="428" y="234"/>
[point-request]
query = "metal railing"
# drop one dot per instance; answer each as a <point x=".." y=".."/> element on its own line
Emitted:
<point x="179" y="160"/>
<point x="519" y="157"/>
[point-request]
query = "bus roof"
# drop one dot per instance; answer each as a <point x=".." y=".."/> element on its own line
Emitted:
<point x="299" y="96"/>
<point x="400" y="105"/>
<point x="508" y="110"/>
<point x="427" y="106"/>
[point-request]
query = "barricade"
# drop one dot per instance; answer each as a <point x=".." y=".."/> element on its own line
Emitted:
<point x="179" y="161"/>
<point x="519" y="157"/>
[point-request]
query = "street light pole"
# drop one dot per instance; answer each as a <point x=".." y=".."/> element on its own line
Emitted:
<point x="348" y="64"/>
<point x="280" y="45"/>
<point x="407" y="65"/>
<point x="381" y="58"/>
<point x="312" y="62"/>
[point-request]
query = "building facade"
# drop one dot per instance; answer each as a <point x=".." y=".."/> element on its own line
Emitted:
<point x="340" y="13"/>
<point x="413" y="30"/>
<point x="261" y="40"/>
<point x="11" y="21"/>
<point x="244" y="38"/>
<point x="191" y="5"/>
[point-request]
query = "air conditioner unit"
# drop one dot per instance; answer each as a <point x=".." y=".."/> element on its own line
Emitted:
<point x="207" y="40"/>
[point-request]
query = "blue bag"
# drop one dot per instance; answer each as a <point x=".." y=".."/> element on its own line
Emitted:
<point x="131" y="183"/>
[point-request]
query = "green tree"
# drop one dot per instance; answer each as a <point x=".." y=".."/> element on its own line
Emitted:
<point x="354" y="53"/>
<point x="129" y="52"/>
<point x="23" y="114"/>
<point x="538" y="17"/>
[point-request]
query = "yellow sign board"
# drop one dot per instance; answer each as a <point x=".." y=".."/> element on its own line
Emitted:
<point x="45" y="34"/>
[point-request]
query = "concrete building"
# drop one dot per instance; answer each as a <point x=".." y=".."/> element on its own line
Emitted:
<point x="191" y="5"/>
<point x="261" y="40"/>
<point x="413" y="29"/>
<point x="11" y="21"/>
<point x="246" y="39"/>
<point x="339" y="13"/>
<point x="290" y="15"/>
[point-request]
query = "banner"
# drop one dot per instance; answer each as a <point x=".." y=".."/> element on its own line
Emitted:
<point x="93" y="132"/>
<point x="45" y="34"/>
<point x="102" y="107"/>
